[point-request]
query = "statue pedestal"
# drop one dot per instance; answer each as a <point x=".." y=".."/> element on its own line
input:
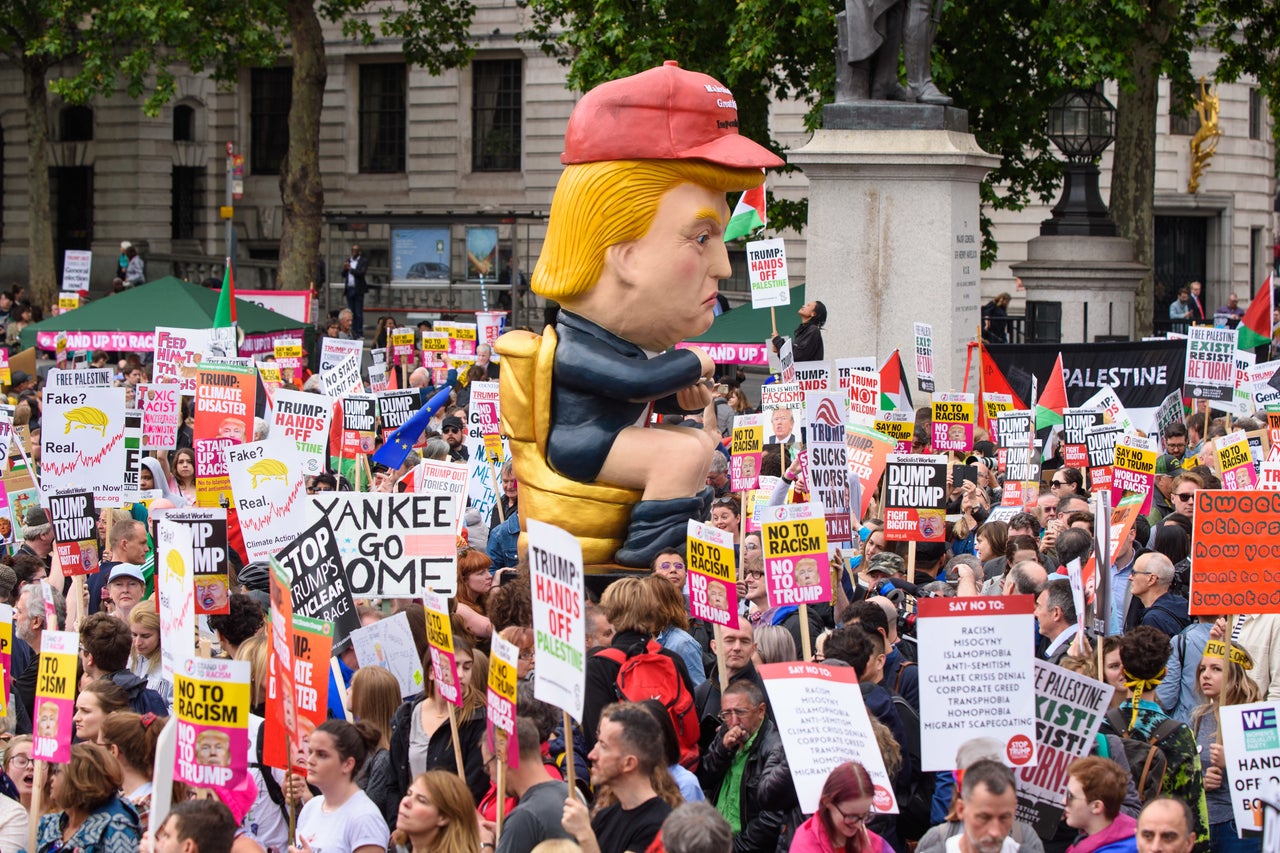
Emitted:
<point x="1085" y="284"/>
<point x="893" y="236"/>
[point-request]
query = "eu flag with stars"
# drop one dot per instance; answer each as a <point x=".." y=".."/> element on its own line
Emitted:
<point x="396" y="448"/>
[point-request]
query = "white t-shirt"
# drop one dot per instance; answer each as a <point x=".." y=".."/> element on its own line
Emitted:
<point x="1009" y="846"/>
<point x="355" y="824"/>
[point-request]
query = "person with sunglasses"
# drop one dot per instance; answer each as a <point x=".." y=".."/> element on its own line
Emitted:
<point x="840" y="823"/>
<point x="1182" y="493"/>
<point x="1150" y="580"/>
<point x="455" y="433"/>
<point x="1067" y="483"/>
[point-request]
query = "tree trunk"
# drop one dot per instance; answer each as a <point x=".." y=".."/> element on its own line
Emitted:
<point x="301" y="188"/>
<point x="43" y="278"/>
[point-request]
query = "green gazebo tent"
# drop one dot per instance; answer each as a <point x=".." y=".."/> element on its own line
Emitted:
<point x="747" y="325"/>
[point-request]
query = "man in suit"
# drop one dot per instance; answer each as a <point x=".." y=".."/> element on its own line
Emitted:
<point x="355" y="269"/>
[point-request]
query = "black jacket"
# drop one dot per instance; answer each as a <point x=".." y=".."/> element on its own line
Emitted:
<point x="358" y="271"/>
<point x="142" y="699"/>
<point x="706" y="698"/>
<point x="439" y="750"/>
<point x="767" y="794"/>
<point x="806" y="343"/>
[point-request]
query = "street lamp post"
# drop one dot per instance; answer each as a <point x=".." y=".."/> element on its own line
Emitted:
<point x="1081" y="124"/>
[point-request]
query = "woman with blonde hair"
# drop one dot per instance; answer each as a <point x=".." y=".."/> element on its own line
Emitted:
<point x="375" y="697"/>
<point x="474" y="583"/>
<point x="774" y="644"/>
<point x="1223" y="679"/>
<point x="144" y="660"/>
<point x="438" y="815"/>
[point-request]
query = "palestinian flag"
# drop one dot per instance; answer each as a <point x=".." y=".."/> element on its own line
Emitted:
<point x="895" y="390"/>
<point x="1054" y="399"/>
<point x="225" y="315"/>
<point x="748" y="215"/>
<point x="1255" y="326"/>
<point x="993" y="382"/>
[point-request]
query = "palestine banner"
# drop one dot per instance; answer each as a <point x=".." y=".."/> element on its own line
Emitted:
<point x="1141" y="372"/>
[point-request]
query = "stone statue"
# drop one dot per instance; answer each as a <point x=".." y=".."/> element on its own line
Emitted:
<point x="869" y="35"/>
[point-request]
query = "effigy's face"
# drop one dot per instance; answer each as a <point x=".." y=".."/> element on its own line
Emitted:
<point x="672" y="274"/>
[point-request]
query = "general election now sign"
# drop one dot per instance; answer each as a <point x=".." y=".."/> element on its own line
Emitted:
<point x="1142" y="372"/>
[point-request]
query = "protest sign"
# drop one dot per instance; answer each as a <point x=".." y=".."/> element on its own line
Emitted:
<point x="1258" y="382"/>
<point x="1075" y="423"/>
<point x="1134" y="468"/>
<point x="224" y="407"/>
<point x="359" y="414"/>
<point x="1235" y="541"/>
<point x="75" y="532"/>
<point x="56" y="683"/>
<point x="209" y="554"/>
<point x="713" y="575"/>
<point x="500" y="699"/>
<point x="1113" y="411"/>
<point x="82" y="444"/>
<point x="283" y="730"/>
<point x="131" y="483"/>
<point x="1251" y="744"/>
<point x="767" y="268"/>
<point x="797" y="567"/>
<point x="828" y="468"/>
<point x="319" y="580"/>
<point x="462" y="338"/>
<point x="953" y="422"/>
<point x="79" y="378"/>
<point x="175" y="589"/>
<point x="266" y="480"/>
<point x="312" y="645"/>
<point x="976" y="678"/>
<point x="179" y="352"/>
<point x="401" y="343"/>
<point x="211" y="702"/>
<point x="1210" y="366"/>
<point x="5" y="375"/>
<point x="388" y="643"/>
<point x="915" y="498"/>
<point x="1069" y="711"/>
<point x="343" y="378"/>
<point x="75" y="270"/>
<point x="900" y="426"/>
<point x="847" y="367"/>
<point x="559" y="627"/>
<point x="287" y="352"/>
<point x="823" y="721"/>
<point x="334" y="351"/>
<point x="746" y="449"/>
<point x="161" y="415"/>
<point x="1168" y="412"/>
<point x="781" y="395"/>
<point x="813" y="376"/>
<point x="444" y="478"/>
<point x="485" y="419"/>
<point x="304" y="417"/>
<point x="6" y="657"/>
<point x="1241" y="402"/>
<point x="863" y="393"/>
<point x="865" y="451"/>
<point x="992" y="406"/>
<point x="1022" y="469"/>
<point x="1100" y="453"/>
<point x="924" y="357"/>
<point x="272" y="381"/>
<point x="396" y="407"/>
<point x="1235" y="463"/>
<point x="393" y="545"/>
<point x="1014" y="428"/>
<point x="444" y="666"/>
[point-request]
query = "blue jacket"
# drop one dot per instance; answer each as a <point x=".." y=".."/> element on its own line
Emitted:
<point x="503" y="541"/>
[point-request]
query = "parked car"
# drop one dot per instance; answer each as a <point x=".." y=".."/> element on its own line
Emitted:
<point x="428" y="270"/>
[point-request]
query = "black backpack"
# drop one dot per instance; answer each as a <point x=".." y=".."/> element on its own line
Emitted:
<point x="1147" y="762"/>
<point x="916" y="797"/>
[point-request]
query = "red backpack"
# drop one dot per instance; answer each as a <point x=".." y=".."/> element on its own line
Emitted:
<point x="652" y="675"/>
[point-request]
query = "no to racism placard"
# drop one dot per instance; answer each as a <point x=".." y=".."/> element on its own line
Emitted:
<point x="1235" y="462"/>
<point x="500" y="700"/>
<point x="270" y="496"/>
<point x="915" y="498"/>
<point x="393" y="546"/>
<point x="953" y="422"/>
<point x="713" y="575"/>
<point x="559" y="627"/>
<point x="211" y="702"/>
<point x="1235" y="544"/>
<point x="976" y="678"/>
<point x="444" y="667"/>
<point x="55" y="696"/>
<point x="823" y="721"/>
<point x="797" y="567"/>
<point x="746" y="450"/>
<point x="1069" y="711"/>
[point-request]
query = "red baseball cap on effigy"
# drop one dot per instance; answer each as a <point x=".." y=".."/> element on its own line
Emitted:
<point x="665" y="113"/>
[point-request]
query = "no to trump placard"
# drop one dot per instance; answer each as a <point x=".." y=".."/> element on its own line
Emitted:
<point x="953" y="422"/>
<point x="55" y="696"/>
<point x="211" y="701"/>
<point x="1134" y="469"/>
<point x="797" y="568"/>
<point x="559" y="628"/>
<point x="444" y="667"/>
<point x="713" y="575"/>
<point x="746" y="450"/>
<point x="976" y="684"/>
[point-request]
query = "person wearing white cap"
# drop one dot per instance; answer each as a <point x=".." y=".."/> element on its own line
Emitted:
<point x="127" y="585"/>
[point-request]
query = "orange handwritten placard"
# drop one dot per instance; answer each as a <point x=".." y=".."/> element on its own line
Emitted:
<point x="1235" y="547"/>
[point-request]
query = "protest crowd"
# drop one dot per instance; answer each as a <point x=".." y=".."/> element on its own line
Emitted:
<point x="318" y="604"/>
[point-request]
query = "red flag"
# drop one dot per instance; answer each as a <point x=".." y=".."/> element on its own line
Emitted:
<point x="993" y="382"/>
